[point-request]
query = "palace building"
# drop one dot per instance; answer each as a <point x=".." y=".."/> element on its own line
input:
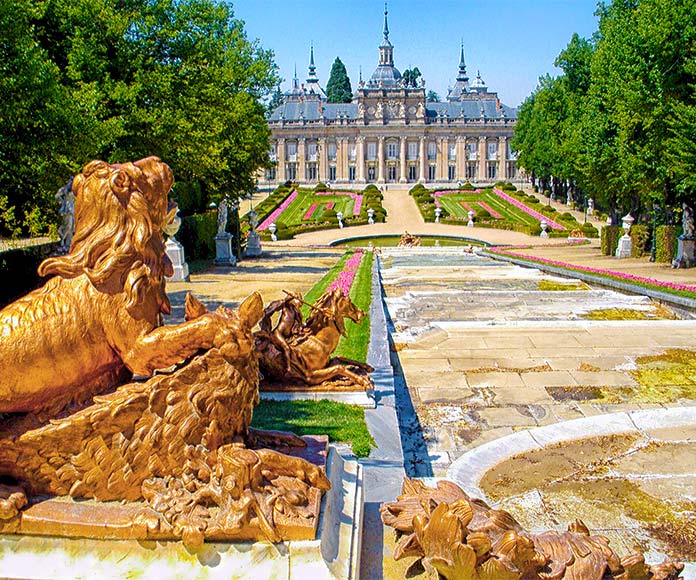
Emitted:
<point x="390" y="133"/>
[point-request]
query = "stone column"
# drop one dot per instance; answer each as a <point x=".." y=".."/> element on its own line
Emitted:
<point x="442" y="158"/>
<point x="360" y="161"/>
<point x="422" y="160"/>
<point x="402" y="161"/>
<point x="340" y="146"/>
<point x="323" y="160"/>
<point x="301" y="156"/>
<point x="344" y="158"/>
<point x="482" y="158"/>
<point x="502" y="158"/>
<point x="280" y="160"/>
<point x="380" y="160"/>
<point x="460" y="161"/>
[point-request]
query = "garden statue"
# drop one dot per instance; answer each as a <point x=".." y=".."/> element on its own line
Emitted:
<point x="409" y="240"/>
<point x="294" y="352"/>
<point x="176" y="449"/>
<point x="222" y="217"/>
<point x="224" y="255"/>
<point x="686" y="243"/>
<point x="457" y="537"/>
<point x="66" y="230"/>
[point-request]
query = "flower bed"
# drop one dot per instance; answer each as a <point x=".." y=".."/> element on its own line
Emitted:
<point x="672" y="287"/>
<point x="345" y="278"/>
<point x="535" y="214"/>
<point x="278" y="211"/>
<point x="357" y="199"/>
<point x="490" y="210"/>
<point x="308" y="214"/>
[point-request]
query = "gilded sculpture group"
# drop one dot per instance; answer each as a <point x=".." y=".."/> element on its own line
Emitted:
<point x="176" y="450"/>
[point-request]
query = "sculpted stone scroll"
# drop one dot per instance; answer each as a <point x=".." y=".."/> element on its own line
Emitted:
<point x="177" y="448"/>
<point x="458" y="537"/>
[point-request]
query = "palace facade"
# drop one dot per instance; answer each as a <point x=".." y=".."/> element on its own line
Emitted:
<point x="390" y="133"/>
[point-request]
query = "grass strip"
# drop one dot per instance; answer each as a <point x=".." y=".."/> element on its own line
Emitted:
<point x="320" y="287"/>
<point x="357" y="341"/>
<point x="343" y="423"/>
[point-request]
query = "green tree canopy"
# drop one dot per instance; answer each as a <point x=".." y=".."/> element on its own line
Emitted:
<point x="121" y="80"/>
<point x="410" y="77"/>
<point x="338" y="89"/>
<point x="432" y="97"/>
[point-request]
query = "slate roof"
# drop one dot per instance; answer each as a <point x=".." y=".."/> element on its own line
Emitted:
<point x="315" y="110"/>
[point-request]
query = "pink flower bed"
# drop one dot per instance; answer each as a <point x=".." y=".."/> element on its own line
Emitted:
<point x="467" y="207"/>
<point x="277" y="212"/>
<point x="345" y="278"/>
<point x="490" y="210"/>
<point x="310" y="211"/>
<point x="590" y="270"/>
<point x="357" y="198"/>
<point x="535" y="214"/>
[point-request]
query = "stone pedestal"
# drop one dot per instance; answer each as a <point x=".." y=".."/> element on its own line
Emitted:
<point x="253" y="247"/>
<point x="623" y="250"/>
<point x="175" y="251"/>
<point x="224" y="256"/>
<point x="333" y="555"/>
<point x="686" y="253"/>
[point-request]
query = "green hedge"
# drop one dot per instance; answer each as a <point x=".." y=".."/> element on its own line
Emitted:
<point x="610" y="239"/>
<point x="18" y="270"/>
<point x="197" y="235"/>
<point x="665" y="243"/>
<point x="640" y="241"/>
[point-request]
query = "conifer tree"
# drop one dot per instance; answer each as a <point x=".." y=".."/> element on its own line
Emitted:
<point x="338" y="89"/>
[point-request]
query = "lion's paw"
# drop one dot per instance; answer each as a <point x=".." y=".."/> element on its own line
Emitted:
<point x="12" y="499"/>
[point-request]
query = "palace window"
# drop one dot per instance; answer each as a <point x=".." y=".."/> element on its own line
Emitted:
<point x="311" y="150"/>
<point x="492" y="151"/>
<point x="471" y="170"/>
<point x="351" y="173"/>
<point x="412" y="172"/>
<point x="431" y="172"/>
<point x="492" y="170"/>
<point x="511" y="170"/>
<point x="471" y="150"/>
<point x="292" y="150"/>
<point x="371" y="150"/>
<point x="371" y="173"/>
<point x="452" y="151"/>
<point x="352" y="154"/>
<point x="311" y="172"/>
<point x="271" y="174"/>
<point x="412" y="150"/>
<point x="272" y="152"/>
<point x="391" y="173"/>
<point x="392" y="150"/>
<point x="432" y="150"/>
<point x="511" y="155"/>
<point x="332" y="173"/>
<point x="332" y="151"/>
<point x="291" y="171"/>
<point x="451" y="172"/>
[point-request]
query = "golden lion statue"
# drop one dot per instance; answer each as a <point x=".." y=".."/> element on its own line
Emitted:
<point x="179" y="445"/>
<point x="98" y="319"/>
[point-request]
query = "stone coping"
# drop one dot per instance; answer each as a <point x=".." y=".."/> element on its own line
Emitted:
<point x="470" y="468"/>
<point x="340" y="241"/>
<point x="593" y="279"/>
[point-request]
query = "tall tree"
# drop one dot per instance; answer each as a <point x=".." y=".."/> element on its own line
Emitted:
<point x="338" y="89"/>
<point x="432" y="97"/>
<point x="410" y="77"/>
<point x="276" y="100"/>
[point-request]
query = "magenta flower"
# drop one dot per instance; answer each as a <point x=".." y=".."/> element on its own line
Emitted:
<point x="490" y="210"/>
<point x="345" y="278"/>
<point x="600" y="271"/>
<point x="310" y="211"/>
<point x="277" y="212"/>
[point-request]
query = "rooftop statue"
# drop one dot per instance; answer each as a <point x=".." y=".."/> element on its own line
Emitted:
<point x="178" y="443"/>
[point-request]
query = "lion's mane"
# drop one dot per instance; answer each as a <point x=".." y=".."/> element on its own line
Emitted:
<point x="117" y="242"/>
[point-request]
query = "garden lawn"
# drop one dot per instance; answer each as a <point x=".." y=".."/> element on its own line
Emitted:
<point x="341" y="422"/>
<point x="296" y="212"/>
<point x="452" y="202"/>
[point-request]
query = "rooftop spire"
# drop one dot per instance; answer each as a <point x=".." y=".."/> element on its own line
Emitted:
<point x="295" y="80"/>
<point x="462" y="66"/>
<point x="386" y="25"/>
<point x="312" y="68"/>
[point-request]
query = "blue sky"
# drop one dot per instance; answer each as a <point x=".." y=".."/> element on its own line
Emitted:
<point x="512" y="42"/>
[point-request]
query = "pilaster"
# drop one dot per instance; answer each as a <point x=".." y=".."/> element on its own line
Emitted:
<point x="482" y="158"/>
<point x="360" y="161"/>
<point x="380" y="160"/>
<point x="402" y="160"/>
<point x="421" y="160"/>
